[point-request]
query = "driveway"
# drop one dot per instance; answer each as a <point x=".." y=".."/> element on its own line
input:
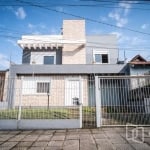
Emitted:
<point x="77" y="139"/>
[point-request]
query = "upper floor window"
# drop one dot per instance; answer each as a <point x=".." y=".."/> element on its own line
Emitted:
<point x="49" y="60"/>
<point x="100" y="57"/>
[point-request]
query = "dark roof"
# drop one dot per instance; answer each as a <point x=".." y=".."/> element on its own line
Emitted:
<point x="139" y="60"/>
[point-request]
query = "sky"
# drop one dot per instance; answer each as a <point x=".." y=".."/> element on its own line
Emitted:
<point x="129" y="20"/>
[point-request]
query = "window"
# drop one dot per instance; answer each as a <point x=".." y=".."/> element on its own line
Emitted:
<point x="43" y="87"/>
<point x="100" y="57"/>
<point x="48" y="60"/>
<point x="36" y="85"/>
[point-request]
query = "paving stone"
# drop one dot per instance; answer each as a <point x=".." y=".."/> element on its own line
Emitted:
<point x="1" y="142"/>
<point x="19" y="148"/>
<point x="6" y="148"/>
<point x="61" y="131"/>
<point x="97" y="131"/>
<point x="54" y="148"/>
<point x="49" y="132"/>
<point x="72" y="137"/>
<point x="73" y="130"/>
<point x="40" y="144"/>
<point x="17" y="138"/>
<point x="123" y="147"/>
<point x="99" y="136"/>
<point x="87" y="145"/>
<point x="86" y="136"/>
<point x="58" y="137"/>
<point x="141" y="146"/>
<point x="118" y="141"/>
<point x="147" y="140"/>
<point x="38" y="132"/>
<point x="36" y="148"/>
<point x="24" y="144"/>
<point x="105" y="147"/>
<point x="99" y="141"/>
<point x="27" y="132"/>
<point x="3" y="132"/>
<point x="14" y="132"/>
<point x="113" y="135"/>
<point x="30" y="138"/>
<point x="9" y="144"/>
<point x="71" y="145"/>
<point x="44" y="138"/>
<point x="56" y="143"/>
<point x="4" y="137"/>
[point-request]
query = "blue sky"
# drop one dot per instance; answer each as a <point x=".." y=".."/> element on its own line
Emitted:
<point x="18" y="18"/>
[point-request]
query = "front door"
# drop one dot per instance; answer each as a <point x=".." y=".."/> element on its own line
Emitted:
<point x="71" y="92"/>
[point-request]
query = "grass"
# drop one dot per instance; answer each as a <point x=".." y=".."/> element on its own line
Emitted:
<point x="41" y="113"/>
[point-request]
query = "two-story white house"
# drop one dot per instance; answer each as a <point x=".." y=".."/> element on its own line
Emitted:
<point x="62" y="67"/>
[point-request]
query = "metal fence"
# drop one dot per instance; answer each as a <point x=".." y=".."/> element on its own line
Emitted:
<point x="74" y="101"/>
<point x="124" y="100"/>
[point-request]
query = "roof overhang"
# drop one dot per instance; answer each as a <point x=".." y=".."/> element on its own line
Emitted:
<point x="69" y="69"/>
<point x="40" y="41"/>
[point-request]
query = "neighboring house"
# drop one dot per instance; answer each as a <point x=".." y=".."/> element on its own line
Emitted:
<point x="3" y="84"/>
<point x="62" y="67"/>
<point x="3" y="88"/>
<point x="139" y="66"/>
<point x="140" y="86"/>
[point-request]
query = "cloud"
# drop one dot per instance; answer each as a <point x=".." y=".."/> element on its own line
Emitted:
<point x="120" y="15"/>
<point x="4" y="62"/>
<point x="20" y="13"/>
<point x="126" y="7"/>
<point x="37" y="28"/>
<point x="31" y="26"/>
<point x="144" y="26"/>
<point x="118" y="34"/>
<point x="116" y="15"/>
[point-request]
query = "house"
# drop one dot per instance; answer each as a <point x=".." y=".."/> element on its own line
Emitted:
<point x="3" y="88"/>
<point x="140" y="86"/>
<point x="58" y="69"/>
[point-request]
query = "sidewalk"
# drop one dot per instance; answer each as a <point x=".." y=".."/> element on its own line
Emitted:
<point x="75" y="139"/>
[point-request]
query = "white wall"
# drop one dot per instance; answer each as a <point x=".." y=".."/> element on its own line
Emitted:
<point x="38" y="57"/>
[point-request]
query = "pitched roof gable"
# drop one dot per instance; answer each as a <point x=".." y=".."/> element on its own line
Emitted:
<point x="138" y="58"/>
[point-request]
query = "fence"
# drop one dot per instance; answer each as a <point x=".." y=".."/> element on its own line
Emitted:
<point x="124" y="100"/>
<point x="74" y="101"/>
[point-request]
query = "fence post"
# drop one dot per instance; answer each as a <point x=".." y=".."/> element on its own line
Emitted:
<point x="20" y="99"/>
<point x="80" y="100"/>
<point x="98" y="102"/>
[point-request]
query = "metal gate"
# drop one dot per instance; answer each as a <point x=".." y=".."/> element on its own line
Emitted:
<point x="123" y="100"/>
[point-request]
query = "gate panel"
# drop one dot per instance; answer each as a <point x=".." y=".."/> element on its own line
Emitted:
<point x="125" y="100"/>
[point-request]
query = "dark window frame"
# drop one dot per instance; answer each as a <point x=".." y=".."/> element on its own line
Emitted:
<point x="43" y="87"/>
<point x="47" y="61"/>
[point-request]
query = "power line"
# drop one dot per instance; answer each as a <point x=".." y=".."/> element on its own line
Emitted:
<point x="85" y="18"/>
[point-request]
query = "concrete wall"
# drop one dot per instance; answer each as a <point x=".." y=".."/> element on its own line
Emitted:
<point x="57" y="92"/>
<point x="73" y="53"/>
<point x="106" y="43"/>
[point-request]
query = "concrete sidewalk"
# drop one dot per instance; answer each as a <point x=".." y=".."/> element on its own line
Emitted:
<point x="76" y="139"/>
